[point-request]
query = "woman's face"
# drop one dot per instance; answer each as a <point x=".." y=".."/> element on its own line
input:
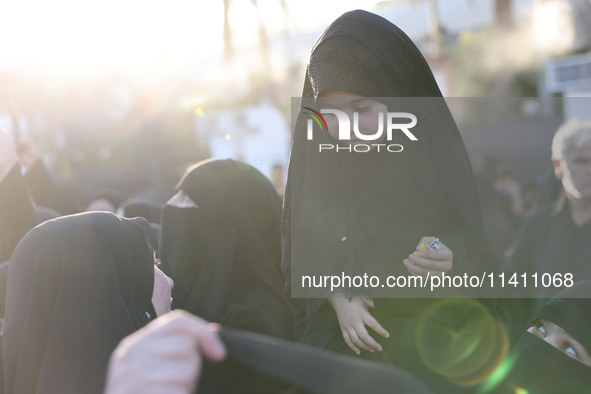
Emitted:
<point x="368" y="110"/>
<point x="161" y="296"/>
<point x="560" y="339"/>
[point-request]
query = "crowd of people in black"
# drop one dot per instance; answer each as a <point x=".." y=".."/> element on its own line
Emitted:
<point x="86" y="292"/>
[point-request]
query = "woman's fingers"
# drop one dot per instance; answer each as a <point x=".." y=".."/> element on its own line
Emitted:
<point x="430" y="264"/>
<point x="425" y="261"/>
<point x="369" y="302"/>
<point x="353" y="315"/>
<point x="355" y="333"/>
<point x="350" y="343"/>
<point x="368" y="339"/>
<point x="416" y="270"/>
<point x="377" y="327"/>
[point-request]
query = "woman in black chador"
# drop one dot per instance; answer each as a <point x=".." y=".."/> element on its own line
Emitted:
<point x="354" y="213"/>
<point x="221" y="244"/>
<point x="77" y="285"/>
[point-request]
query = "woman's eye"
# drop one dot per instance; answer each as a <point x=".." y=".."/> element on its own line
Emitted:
<point x="538" y="329"/>
<point x="570" y="350"/>
<point x="362" y="108"/>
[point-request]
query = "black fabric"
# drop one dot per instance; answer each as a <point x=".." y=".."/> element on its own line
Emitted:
<point x="225" y="255"/>
<point x="539" y="368"/>
<point x="43" y="214"/>
<point x="313" y="370"/>
<point x="550" y="242"/>
<point x="344" y="64"/>
<point x="77" y="285"/>
<point x="428" y="189"/>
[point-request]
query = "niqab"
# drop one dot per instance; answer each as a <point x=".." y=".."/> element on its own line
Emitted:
<point x="538" y="367"/>
<point x="225" y="254"/>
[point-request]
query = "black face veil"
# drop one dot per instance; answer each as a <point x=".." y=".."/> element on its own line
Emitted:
<point x="224" y="255"/>
<point x="77" y="285"/>
<point x="538" y="367"/>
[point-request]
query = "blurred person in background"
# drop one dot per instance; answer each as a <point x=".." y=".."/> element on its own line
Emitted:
<point x="560" y="231"/>
<point x="44" y="190"/>
<point x="501" y="200"/>
<point x="17" y="212"/>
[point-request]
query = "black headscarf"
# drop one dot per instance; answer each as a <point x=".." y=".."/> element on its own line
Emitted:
<point x="225" y="254"/>
<point x="77" y="285"/>
<point x="357" y="212"/>
<point x="428" y="189"/>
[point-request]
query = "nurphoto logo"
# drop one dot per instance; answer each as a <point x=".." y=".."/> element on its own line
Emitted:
<point x="358" y="141"/>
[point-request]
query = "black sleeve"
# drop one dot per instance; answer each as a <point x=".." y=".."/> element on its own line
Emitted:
<point x="455" y="243"/>
<point x="46" y="193"/>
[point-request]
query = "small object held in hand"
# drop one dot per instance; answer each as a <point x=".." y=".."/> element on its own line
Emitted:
<point x="433" y="245"/>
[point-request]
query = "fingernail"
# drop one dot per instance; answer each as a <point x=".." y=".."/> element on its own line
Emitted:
<point x="380" y="349"/>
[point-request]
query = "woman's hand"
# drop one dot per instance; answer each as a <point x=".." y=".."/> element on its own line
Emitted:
<point x="353" y="316"/>
<point x="434" y="262"/>
<point x="164" y="356"/>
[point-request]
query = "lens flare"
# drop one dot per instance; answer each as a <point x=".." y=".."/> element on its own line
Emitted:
<point x="460" y="340"/>
<point x="199" y="112"/>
